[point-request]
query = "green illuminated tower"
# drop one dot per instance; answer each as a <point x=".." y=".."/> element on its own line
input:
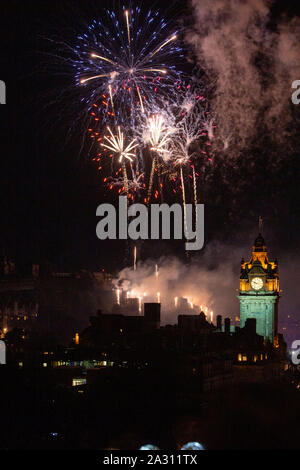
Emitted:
<point x="259" y="291"/>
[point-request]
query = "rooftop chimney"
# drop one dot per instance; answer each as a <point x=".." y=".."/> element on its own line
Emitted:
<point x="227" y="326"/>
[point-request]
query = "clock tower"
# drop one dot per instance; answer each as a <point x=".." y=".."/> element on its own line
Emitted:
<point x="259" y="291"/>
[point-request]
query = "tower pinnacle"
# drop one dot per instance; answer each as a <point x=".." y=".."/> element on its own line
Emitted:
<point x="260" y="225"/>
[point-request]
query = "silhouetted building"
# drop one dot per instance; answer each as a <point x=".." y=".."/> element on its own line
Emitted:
<point x="152" y="316"/>
<point x="19" y="297"/>
<point x="195" y="323"/>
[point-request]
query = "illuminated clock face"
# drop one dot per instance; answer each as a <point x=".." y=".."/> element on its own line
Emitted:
<point x="257" y="283"/>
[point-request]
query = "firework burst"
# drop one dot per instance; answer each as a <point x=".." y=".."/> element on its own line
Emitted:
<point x="128" y="59"/>
<point x="157" y="135"/>
<point x="117" y="145"/>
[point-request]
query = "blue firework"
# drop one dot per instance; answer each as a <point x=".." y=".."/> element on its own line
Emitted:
<point x="126" y="63"/>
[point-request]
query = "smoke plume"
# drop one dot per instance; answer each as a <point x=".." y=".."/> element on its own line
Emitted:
<point x="208" y="282"/>
<point x="253" y="58"/>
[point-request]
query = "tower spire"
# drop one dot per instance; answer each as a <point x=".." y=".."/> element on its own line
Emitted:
<point x="260" y="225"/>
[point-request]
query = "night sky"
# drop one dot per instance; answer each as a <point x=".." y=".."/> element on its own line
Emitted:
<point x="50" y="190"/>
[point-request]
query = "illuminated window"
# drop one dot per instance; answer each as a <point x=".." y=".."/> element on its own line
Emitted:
<point x="20" y="364"/>
<point x="255" y="358"/>
<point x="78" y="381"/>
<point x="45" y="364"/>
<point x="261" y="357"/>
<point x="244" y="358"/>
<point x="239" y="357"/>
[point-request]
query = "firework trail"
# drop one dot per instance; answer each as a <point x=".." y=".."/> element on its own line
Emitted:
<point x="191" y="127"/>
<point x="172" y="134"/>
<point x="195" y="192"/>
<point x="157" y="135"/>
<point x="134" y="258"/>
<point x="183" y="199"/>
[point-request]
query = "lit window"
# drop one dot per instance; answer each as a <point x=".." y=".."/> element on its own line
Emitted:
<point x="239" y="357"/>
<point x="78" y="381"/>
<point x="244" y="358"/>
<point x="45" y="364"/>
<point x="255" y="358"/>
<point x="20" y="364"/>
